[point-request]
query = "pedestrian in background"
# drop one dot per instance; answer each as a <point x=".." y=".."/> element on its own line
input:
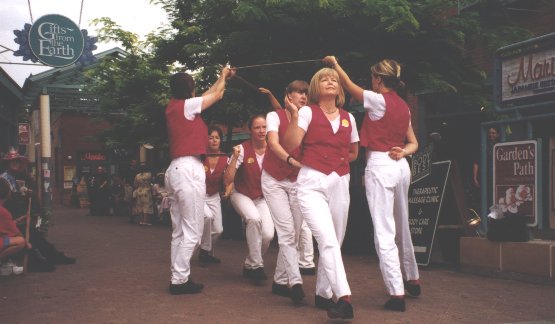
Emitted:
<point x="161" y="199"/>
<point x="144" y="202"/>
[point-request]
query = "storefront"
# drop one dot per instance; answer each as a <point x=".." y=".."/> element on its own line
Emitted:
<point x="524" y="100"/>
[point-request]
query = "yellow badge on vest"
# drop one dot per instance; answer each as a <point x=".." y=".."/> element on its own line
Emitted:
<point x="345" y="123"/>
<point x="250" y="160"/>
<point x="205" y="168"/>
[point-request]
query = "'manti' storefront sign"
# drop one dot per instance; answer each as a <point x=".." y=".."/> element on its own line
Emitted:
<point x="56" y="40"/>
<point x="528" y="75"/>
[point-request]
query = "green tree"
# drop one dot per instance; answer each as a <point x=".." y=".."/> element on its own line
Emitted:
<point x="132" y="91"/>
<point x="428" y="37"/>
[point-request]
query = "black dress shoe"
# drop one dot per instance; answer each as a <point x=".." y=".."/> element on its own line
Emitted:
<point x="323" y="303"/>
<point x="206" y="257"/>
<point x="248" y="273"/>
<point x="297" y="293"/>
<point x="342" y="309"/>
<point x="308" y="271"/>
<point x="256" y="274"/>
<point x="395" y="304"/>
<point x="259" y="274"/>
<point x="280" y="290"/>
<point x="413" y="290"/>
<point x="189" y="287"/>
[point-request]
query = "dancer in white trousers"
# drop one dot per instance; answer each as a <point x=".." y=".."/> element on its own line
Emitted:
<point x="388" y="137"/>
<point x="329" y="139"/>
<point x="214" y="167"/>
<point x="185" y="177"/>
<point x="244" y="171"/>
<point x="305" y="247"/>
<point x="279" y="185"/>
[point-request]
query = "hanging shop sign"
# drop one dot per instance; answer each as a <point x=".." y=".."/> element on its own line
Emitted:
<point x="515" y="178"/>
<point x="528" y="75"/>
<point x="55" y="40"/>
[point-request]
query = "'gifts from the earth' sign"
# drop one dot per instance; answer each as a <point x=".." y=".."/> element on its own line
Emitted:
<point x="515" y="178"/>
<point x="56" y="40"/>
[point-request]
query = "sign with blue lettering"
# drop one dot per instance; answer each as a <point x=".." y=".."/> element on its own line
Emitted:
<point x="425" y="198"/>
<point x="56" y="40"/>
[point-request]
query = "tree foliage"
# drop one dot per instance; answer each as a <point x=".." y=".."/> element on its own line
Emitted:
<point x="132" y="91"/>
<point x="428" y="37"/>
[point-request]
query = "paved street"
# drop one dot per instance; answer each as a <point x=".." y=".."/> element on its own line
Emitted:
<point x="122" y="274"/>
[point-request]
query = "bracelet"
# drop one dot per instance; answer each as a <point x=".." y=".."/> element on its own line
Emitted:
<point x="288" y="160"/>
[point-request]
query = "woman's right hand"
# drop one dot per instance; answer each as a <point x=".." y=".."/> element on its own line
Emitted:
<point x="227" y="72"/>
<point x="330" y="61"/>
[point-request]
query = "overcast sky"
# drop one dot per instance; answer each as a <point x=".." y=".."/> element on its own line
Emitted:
<point x="136" y="16"/>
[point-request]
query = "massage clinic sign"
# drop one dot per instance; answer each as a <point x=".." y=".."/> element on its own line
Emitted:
<point x="56" y="40"/>
<point x="515" y="178"/>
<point x="528" y="75"/>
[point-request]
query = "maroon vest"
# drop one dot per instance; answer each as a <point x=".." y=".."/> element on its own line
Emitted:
<point x="214" y="180"/>
<point x="277" y="168"/>
<point x="322" y="149"/>
<point x="389" y="131"/>
<point x="186" y="137"/>
<point x="248" y="176"/>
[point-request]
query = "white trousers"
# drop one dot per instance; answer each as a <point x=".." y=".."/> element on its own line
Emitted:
<point x="281" y="197"/>
<point x="324" y="202"/>
<point x="213" y="226"/>
<point x="259" y="227"/>
<point x="185" y="180"/>
<point x="306" y="247"/>
<point x="387" y="185"/>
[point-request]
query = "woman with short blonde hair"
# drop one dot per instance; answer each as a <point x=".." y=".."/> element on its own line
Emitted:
<point x="329" y="139"/>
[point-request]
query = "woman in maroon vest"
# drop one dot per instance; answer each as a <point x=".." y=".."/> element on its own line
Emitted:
<point x="297" y="91"/>
<point x="388" y="137"/>
<point x="244" y="171"/>
<point x="185" y="176"/>
<point x="329" y="139"/>
<point x="214" y="166"/>
<point x="279" y="185"/>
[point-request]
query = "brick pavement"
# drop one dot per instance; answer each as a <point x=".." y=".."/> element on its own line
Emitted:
<point x="122" y="275"/>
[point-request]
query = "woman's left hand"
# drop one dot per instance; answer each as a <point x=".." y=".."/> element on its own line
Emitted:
<point x="290" y="106"/>
<point x="396" y="153"/>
